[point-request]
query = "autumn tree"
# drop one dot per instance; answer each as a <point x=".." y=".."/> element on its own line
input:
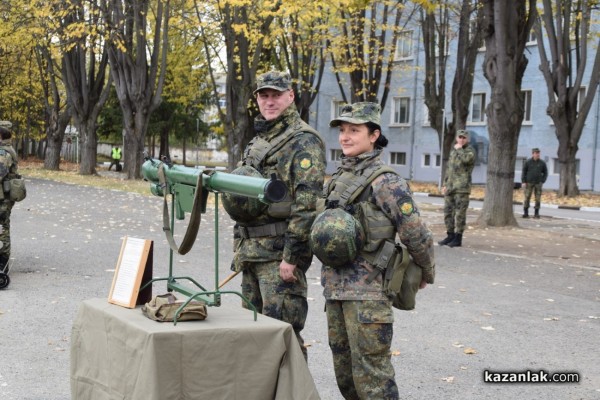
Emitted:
<point x="137" y="42"/>
<point x="506" y="27"/>
<point x="568" y="41"/>
<point x="437" y="34"/>
<point x="363" y="47"/>
<point x="84" y="69"/>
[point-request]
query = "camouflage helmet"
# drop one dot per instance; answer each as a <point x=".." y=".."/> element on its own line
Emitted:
<point x="336" y="237"/>
<point x="242" y="208"/>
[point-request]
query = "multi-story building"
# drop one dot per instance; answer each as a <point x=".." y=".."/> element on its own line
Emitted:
<point x="414" y="148"/>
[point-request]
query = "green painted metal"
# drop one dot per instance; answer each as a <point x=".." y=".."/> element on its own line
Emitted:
<point x="181" y="183"/>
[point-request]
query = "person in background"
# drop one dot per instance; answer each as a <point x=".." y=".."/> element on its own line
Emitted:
<point x="8" y="170"/>
<point x="359" y="313"/>
<point x="457" y="189"/>
<point x="271" y="243"/>
<point x="115" y="159"/>
<point x="533" y="177"/>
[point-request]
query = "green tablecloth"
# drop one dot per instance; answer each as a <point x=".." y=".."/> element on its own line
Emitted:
<point x="118" y="353"/>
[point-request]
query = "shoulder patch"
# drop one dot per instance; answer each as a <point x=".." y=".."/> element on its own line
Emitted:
<point x="406" y="206"/>
<point x="305" y="163"/>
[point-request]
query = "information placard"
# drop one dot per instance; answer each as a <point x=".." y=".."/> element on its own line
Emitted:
<point x="134" y="268"/>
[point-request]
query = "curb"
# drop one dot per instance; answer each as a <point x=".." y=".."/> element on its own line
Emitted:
<point x="543" y="205"/>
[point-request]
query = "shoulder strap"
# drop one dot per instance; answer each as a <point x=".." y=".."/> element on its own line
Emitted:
<point x="362" y="182"/>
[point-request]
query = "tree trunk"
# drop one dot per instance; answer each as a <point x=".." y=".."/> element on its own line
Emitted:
<point x="567" y="159"/>
<point x="88" y="144"/>
<point x="505" y="28"/>
<point x="55" y="134"/>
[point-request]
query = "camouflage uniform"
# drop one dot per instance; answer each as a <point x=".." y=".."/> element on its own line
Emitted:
<point x="458" y="187"/>
<point x="359" y="315"/>
<point x="300" y="164"/>
<point x="534" y="174"/>
<point x="6" y="205"/>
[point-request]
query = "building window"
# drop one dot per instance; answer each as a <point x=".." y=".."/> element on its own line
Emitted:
<point x="404" y="46"/>
<point x="431" y="160"/>
<point x="398" y="158"/>
<point x="519" y="164"/>
<point x="526" y="105"/>
<point x="336" y="108"/>
<point x="556" y="167"/>
<point x="401" y="113"/>
<point x="580" y="98"/>
<point x="531" y="39"/>
<point x="478" y="107"/>
<point x="335" y="154"/>
<point x="426" y="121"/>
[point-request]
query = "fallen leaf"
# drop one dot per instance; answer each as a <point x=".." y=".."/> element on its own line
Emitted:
<point x="487" y="328"/>
<point x="448" y="379"/>
<point x="395" y="352"/>
<point x="550" y="300"/>
<point x="470" y="350"/>
<point x="551" y="319"/>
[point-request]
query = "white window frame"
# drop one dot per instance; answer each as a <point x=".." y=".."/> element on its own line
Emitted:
<point x="335" y="155"/>
<point x="404" y="46"/>
<point x="336" y="107"/>
<point x="481" y="119"/>
<point x="527" y="101"/>
<point x="397" y="104"/>
<point x="394" y="155"/>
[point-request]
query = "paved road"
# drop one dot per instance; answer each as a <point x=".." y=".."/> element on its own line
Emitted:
<point x="497" y="304"/>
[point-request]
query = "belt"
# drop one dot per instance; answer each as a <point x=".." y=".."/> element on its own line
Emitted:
<point x="273" y="229"/>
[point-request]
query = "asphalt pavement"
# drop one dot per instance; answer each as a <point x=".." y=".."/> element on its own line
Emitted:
<point x="511" y="300"/>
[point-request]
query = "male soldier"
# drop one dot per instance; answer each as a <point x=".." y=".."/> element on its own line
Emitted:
<point x="8" y="170"/>
<point x="535" y="173"/>
<point x="457" y="188"/>
<point x="272" y="248"/>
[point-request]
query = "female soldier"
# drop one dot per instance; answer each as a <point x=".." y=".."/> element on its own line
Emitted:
<point x="359" y="313"/>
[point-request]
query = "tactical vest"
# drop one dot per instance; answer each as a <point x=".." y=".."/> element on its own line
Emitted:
<point x="347" y="191"/>
<point x="259" y="149"/>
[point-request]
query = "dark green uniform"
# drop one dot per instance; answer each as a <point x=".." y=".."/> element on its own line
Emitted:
<point x="282" y="230"/>
<point x="535" y="173"/>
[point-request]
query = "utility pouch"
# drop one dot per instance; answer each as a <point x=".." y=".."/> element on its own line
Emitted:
<point x="16" y="189"/>
<point x="164" y="307"/>
<point x="402" y="279"/>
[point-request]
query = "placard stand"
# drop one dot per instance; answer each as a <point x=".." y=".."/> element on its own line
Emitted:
<point x="134" y="269"/>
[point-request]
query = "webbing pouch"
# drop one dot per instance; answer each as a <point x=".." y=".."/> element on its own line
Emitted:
<point x="164" y="308"/>
<point x="402" y="280"/>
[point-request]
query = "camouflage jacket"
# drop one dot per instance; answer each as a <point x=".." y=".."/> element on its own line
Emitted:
<point x="12" y="169"/>
<point x="534" y="171"/>
<point x="460" y="167"/>
<point x="300" y="164"/>
<point x="392" y="195"/>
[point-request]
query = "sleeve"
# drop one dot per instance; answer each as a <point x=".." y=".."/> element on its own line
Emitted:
<point x="394" y="197"/>
<point x="544" y="172"/>
<point x="307" y="173"/>
<point x="524" y="172"/>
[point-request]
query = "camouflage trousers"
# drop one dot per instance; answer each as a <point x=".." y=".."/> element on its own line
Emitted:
<point x="5" y="210"/>
<point x="360" y="337"/>
<point x="264" y="288"/>
<point x="455" y="212"/>
<point x="536" y="189"/>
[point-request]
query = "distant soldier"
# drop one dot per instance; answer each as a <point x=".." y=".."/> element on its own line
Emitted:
<point x="368" y="206"/>
<point x="457" y="189"/>
<point x="535" y="173"/>
<point x="271" y="243"/>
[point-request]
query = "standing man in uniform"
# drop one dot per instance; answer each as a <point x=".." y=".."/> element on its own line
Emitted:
<point x="457" y="189"/>
<point x="535" y="173"/>
<point x="8" y="170"/>
<point x="271" y="243"/>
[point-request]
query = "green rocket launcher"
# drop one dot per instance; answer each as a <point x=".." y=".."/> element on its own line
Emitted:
<point x="188" y="190"/>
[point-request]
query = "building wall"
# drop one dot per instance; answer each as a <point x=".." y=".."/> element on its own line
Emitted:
<point x="417" y="140"/>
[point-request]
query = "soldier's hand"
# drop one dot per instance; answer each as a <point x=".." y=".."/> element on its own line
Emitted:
<point x="423" y="284"/>
<point x="287" y="272"/>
